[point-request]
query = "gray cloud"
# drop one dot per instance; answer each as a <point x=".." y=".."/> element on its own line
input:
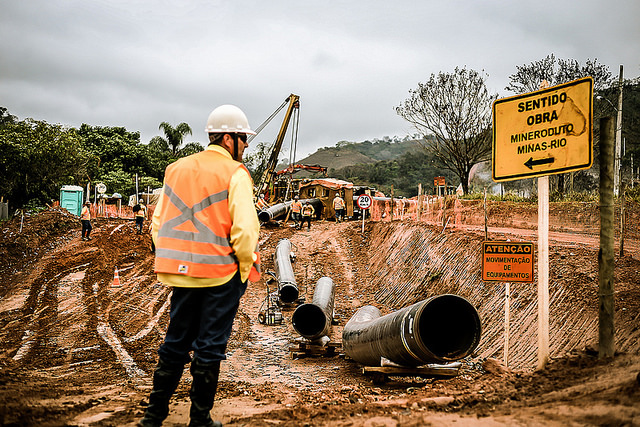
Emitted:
<point x="136" y="64"/>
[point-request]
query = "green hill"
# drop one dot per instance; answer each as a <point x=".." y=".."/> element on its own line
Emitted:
<point x="402" y="164"/>
<point x="345" y="153"/>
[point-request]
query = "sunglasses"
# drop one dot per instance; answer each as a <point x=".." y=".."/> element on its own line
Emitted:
<point x="242" y="137"/>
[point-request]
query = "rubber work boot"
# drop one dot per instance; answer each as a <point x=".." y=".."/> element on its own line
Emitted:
<point x="203" y="392"/>
<point x="165" y="380"/>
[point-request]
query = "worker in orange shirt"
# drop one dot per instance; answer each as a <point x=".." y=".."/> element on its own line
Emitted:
<point x="140" y="214"/>
<point x="85" y="220"/>
<point x="261" y="203"/>
<point x="339" y="207"/>
<point x="296" y="211"/>
<point x="307" y="213"/>
<point x="205" y="230"/>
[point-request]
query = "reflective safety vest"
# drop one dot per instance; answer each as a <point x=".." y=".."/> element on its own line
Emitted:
<point x="338" y="203"/>
<point x="307" y="210"/>
<point x="85" y="214"/>
<point x="141" y="212"/>
<point x="261" y="204"/>
<point x="296" y="206"/>
<point x="195" y="229"/>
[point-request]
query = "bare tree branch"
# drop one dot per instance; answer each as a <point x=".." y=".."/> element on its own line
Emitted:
<point x="456" y="109"/>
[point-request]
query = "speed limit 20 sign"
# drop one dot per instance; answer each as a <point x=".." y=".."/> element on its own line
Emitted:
<point x="364" y="201"/>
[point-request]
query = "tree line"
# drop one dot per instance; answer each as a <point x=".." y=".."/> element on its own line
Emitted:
<point x="451" y="114"/>
<point x="37" y="158"/>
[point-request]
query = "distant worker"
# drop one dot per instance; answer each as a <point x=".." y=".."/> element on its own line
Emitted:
<point x="205" y="229"/>
<point x="140" y="212"/>
<point x="296" y="211"/>
<point x="261" y="203"/>
<point x="339" y="207"/>
<point x="85" y="220"/>
<point x="307" y="213"/>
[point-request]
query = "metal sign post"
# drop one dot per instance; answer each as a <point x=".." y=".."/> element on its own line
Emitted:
<point x="510" y="261"/>
<point x="364" y="202"/>
<point x="543" y="271"/>
<point x="507" y="296"/>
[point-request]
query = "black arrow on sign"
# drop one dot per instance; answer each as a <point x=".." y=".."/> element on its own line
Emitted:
<point x="531" y="163"/>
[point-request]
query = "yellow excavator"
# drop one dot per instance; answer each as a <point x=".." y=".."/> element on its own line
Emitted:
<point x="264" y="189"/>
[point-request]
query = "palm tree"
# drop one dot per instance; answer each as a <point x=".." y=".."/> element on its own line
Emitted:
<point x="173" y="139"/>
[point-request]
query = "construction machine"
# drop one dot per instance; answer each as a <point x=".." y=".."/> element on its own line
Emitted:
<point x="298" y="166"/>
<point x="267" y="179"/>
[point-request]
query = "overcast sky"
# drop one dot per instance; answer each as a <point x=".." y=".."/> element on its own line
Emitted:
<point x="138" y="63"/>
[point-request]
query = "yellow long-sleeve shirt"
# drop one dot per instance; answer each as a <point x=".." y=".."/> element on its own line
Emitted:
<point x="245" y="230"/>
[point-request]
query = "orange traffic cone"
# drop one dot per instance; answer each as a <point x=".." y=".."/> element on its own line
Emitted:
<point x="116" y="279"/>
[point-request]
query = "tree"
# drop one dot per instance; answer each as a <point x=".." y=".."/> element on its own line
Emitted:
<point x="528" y="77"/>
<point x="256" y="161"/>
<point x="113" y="149"/>
<point x="6" y="118"/>
<point x="36" y="159"/>
<point x="456" y="109"/>
<point x="174" y="137"/>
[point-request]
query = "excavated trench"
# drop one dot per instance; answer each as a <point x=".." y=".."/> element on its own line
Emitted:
<point x="413" y="262"/>
<point x="64" y="320"/>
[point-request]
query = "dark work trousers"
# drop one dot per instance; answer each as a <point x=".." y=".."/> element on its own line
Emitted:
<point x="306" y="219"/>
<point x="200" y="319"/>
<point x="139" y="223"/>
<point x="296" y="218"/>
<point x="86" y="227"/>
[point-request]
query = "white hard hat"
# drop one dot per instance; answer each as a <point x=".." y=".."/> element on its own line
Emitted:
<point x="228" y="119"/>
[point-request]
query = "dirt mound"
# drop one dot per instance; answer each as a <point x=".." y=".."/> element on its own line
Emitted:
<point x="27" y="235"/>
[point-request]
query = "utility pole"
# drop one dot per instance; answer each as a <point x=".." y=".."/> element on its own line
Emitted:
<point x="606" y="255"/>
<point x="617" y="167"/>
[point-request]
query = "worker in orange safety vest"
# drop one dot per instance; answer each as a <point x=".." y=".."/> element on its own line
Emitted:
<point x="296" y="211"/>
<point x="261" y="203"/>
<point x="307" y="213"/>
<point x="338" y="207"/>
<point x="85" y="220"/>
<point x="205" y="229"/>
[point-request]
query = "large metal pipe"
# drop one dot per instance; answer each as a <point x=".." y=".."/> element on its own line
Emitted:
<point x="280" y="210"/>
<point x="313" y="320"/>
<point x="441" y="329"/>
<point x="274" y="212"/>
<point x="287" y="286"/>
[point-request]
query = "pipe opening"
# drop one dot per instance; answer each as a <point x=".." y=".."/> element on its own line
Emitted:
<point x="309" y="320"/>
<point x="264" y="216"/>
<point x="288" y="293"/>
<point x="449" y="327"/>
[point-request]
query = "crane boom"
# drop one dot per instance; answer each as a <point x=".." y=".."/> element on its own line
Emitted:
<point x="267" y="176"/>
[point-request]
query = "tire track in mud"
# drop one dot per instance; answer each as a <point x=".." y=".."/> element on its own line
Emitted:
<point x="41" y="309"/>
<point x="67" y="314"/>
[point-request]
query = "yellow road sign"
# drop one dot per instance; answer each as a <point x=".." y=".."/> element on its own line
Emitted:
<point x="544" y="132"/>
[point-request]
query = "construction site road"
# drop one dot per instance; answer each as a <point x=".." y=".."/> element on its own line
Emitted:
<point x="78" y="347"/>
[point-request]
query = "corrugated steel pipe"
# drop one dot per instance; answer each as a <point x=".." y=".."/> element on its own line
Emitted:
<point x="287" y="286"/>
<point x="279" y="211"/>
<point x="274" y="212"/>
<point x="441" y="329"/>
<point x="313" y="320"/>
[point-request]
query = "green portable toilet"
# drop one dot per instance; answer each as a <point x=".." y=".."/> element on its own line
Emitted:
<point x="71" y="198"/>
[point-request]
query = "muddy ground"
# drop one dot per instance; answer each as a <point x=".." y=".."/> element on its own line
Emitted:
<point x="78" y="348"/>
